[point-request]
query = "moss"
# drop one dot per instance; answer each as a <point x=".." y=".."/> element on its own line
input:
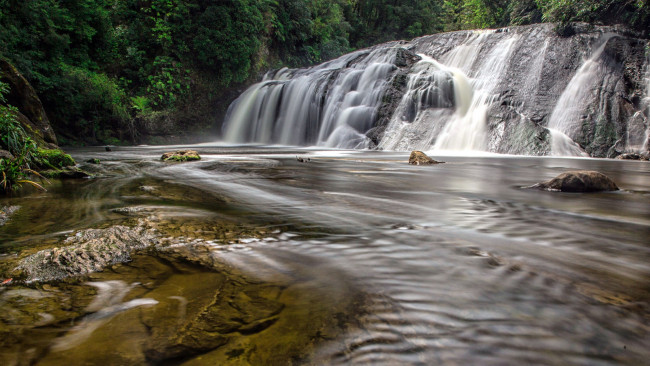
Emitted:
<point x="181" y="155"/>
<point x="65" y="173"/>
<point x="183" y="158"/>
<point x="53" y="158"/>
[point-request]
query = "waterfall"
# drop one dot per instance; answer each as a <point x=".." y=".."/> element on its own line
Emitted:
<point x="494" y="90"/>
<point x="566" y="118"/>
<point x="432" y="93"/>
<point x="430" y="124"/>
<point x="468" y="128"/>
<point x="332" y="105"/>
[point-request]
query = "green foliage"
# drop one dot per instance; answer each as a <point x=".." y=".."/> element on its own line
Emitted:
<point x="42" y="37"/>
<point x="14" y="171"/>
<point x="140" y="104"/>
<point x="480" y="14"/>
<point x="376" y="21"/>
<point x="168" y="83"/>
<point x="12" y="135"/>
<point x="633" y="13"/>
<point x="94" y="103"/>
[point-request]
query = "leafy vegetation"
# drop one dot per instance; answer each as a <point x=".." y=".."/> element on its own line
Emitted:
<point x="14" y="166"/>
<point x="100" y="65"/>
<point x="19" y="153"/>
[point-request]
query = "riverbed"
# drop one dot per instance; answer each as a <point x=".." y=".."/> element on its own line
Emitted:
<point x="275" y="255"/>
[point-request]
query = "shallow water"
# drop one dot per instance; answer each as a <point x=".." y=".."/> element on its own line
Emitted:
<point x="370" y="261"/>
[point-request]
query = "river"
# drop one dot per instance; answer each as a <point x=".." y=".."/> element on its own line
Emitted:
<point x="345" y="257"/>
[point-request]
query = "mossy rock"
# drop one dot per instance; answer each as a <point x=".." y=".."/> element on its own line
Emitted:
<point x="53" y="158"/>
<point x="420" y="158"/>
<point x="65" y="173"/>
<point x="180" y="155"/>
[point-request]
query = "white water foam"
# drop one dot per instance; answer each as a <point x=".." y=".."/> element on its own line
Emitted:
<point x="565" y="120"/>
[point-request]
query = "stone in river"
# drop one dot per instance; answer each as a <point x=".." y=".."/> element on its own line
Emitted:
<point x="180" y="155"/>
<point x="420" y="158"/>
<point x="579" y="181"/>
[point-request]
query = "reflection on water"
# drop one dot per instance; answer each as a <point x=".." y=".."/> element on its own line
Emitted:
<point x="347" y="258"/>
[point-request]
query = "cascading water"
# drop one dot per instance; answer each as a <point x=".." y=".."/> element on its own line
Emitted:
<point x="566" y="119"/>
<point x="332" y="105"/>
<point x="433" y="90"/>
<point x="521" y="90"/>
<point x="423" y="123"/>
<point x="468" y="129"/>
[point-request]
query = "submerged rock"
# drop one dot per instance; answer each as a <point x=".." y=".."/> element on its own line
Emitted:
<point x="6" y="212"/>
<point x="579" y="181"/>
<point x="180" y="155"/>
<point x="420" y="158"/>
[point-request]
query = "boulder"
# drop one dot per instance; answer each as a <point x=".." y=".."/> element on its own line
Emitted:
<point x="633" y="156"/>
<point x="24" y="97"/>
<point x="579" y="181"/>
<point x="420" y="158"/>
<point x="180" y="155"/>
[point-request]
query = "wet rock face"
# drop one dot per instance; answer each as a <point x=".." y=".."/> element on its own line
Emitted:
<point x="181" y="155"/>
<point x="404" y="60"/>
<point x="579" y="181"/>
<point x="24" y="97"/>
<point x="85" y="252"/>
<point x="420" y="158"/>
<point x="538" y="70"/>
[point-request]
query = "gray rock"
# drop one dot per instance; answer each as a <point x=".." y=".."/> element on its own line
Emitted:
<point x="579" y="181"/>
<point x="87" y="251"/>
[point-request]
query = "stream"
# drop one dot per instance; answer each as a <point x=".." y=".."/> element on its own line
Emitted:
<point x="250" y="256"/>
